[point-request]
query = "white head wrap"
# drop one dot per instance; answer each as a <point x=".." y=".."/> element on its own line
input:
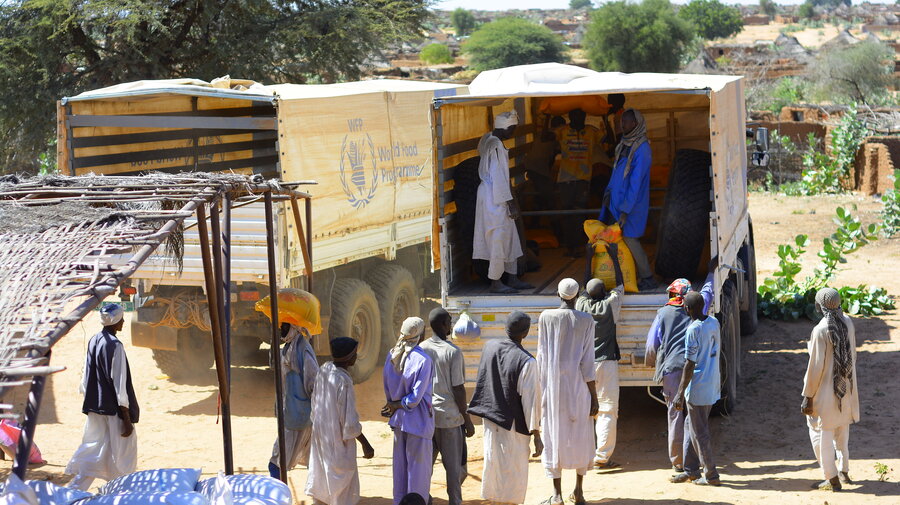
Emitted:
<point x="505" y="120"/>
<point x="567" y="289"/>
<point x="410" y="331"/>
<point x="111" y="314"/>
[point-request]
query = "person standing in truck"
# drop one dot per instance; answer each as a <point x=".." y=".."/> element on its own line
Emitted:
<point x="452" y="424"/>
<point x="830" y="393"/>
<point x="577" y="142"/>
<point x="508" y="397"/>
<point x="408" y="384"/>
<point x="627" y="198"/>
<point x="297" y="356"/>
<point x="566" y="367"/>
<point x="496" y="238"/>
<point x="604" y="307"/>
<point x="109" y="445"/>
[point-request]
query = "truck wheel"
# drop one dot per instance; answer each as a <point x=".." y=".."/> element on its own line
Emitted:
<point x="398" y="299"/>
<point x="730" y="352"/>
<point x="355" y="314"/>
<point x="684" y="223"/>
<point x="193" y="358"/>
<point x="749" y="317"/>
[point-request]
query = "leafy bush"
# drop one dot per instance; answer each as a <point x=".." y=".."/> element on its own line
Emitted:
<point x="784" y="297"/>
<point x="825" y="172"/>
<point x="580" y="4"/>
<point x="712" y="18"/>
<point x="787" y="91"/>
<point x="435" y="54"/>
<point x="806" y="10"/>
<point x="860" y="73"/>
<point x="637" y="37"/>
<point x="890" y="211"/>
<point x="513" y="41"/>
<point x="768" y="7"/>
<point x="463" y="22"/>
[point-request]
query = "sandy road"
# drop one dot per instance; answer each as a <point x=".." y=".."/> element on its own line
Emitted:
<point x="762" y="449"/>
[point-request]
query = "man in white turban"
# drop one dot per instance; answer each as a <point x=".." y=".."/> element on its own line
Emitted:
<point x="830" y="393"/>
<point x="496" y="238"/>
<point x="109" y="445"/>
<point x="566" y="370"/>
<point x="408" y="382"/>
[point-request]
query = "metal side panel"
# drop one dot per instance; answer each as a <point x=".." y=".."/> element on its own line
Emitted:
<point x="249" y="261"/>
<point x="490" y="312"/>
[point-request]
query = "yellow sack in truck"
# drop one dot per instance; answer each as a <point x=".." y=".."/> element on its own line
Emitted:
<point x="295" y="306"/>
<point x="599" y="235"/>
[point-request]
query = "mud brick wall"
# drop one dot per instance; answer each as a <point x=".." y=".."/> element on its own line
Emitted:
<point x="875" y="163"/>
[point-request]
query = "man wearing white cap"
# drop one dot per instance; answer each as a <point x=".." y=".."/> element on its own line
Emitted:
<point x="109" y="445"/>
<point x="408" y="383"/>
<point x="566" y="369"/>
<point x="496" y="238"/>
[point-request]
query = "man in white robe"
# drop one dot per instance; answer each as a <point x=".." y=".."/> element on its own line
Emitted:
<point x="496" y="238"/>
<point x="333" y="476"/>
<point x="109" y="445"/>
<point x="830" y="392"/>
<point x="511" y="413"/>
<point x="566" y="368"/>
<point x="296" y="355"/>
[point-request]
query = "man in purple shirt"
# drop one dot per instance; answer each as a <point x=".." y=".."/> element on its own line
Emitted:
<point x="407" y="387"/>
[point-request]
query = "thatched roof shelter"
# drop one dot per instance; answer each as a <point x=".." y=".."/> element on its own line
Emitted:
<point x="66" y="243"/>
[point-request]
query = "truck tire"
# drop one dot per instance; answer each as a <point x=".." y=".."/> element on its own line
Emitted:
<point x="749" y="317"/>
<point x="193" y="358"/>
<point x="355" y="314"/>
<point x="398" y="298"/>
<point x="684" y="223"/>
<point x="729" y="356"/>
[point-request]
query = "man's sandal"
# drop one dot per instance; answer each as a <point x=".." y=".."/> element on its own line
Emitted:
<point x="576" y="502"/>
<point x="606" y="465"/>
<point x="549" y="501"/>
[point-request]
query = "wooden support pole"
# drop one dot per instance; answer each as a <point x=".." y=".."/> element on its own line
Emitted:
<point x="213" y="290"/>
<point x="276" y="337"/>
<point x="226" y="263"/>
<point x="309" y="251"/>
<point x="304" y="245"/>
<point x="26" y="439"/>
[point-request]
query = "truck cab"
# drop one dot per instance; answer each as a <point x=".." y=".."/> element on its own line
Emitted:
<point x="698" y="224"/>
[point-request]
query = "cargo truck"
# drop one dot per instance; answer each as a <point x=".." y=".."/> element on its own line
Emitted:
<point x="697" y="132"/>
<point x="366" y="144"/>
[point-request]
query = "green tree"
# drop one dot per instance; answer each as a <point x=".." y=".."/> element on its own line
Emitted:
<point x="768" y="7"/>
<point x="55" y="48"/>
<point x="580" y="4"/>
<point x="860" y="73"/>
<point x="807" y="10"/>
<point x="435" y="54"/>
<point x="512" y="41"/>
<point x="712" y="19"/>
<point x="463" y="22"/>
<point x="637" y="37"/>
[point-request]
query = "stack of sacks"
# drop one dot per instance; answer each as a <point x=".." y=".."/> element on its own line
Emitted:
<point x="245" y="490"/>
<point x="166" y="486"/>
<point x="49" y="493"/>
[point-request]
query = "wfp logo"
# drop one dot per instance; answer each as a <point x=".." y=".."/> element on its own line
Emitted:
<point x="359" y="172"/>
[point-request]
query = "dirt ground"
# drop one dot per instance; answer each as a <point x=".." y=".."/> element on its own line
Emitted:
<point x="811" y="38"/>
<point x="762" y="449"/>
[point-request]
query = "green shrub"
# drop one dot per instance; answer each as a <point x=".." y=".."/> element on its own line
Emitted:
<point x="825" y="172"/>
<point x="513" y="41"/>
<point x="435" y="54"/>
<point x="890" y="211"/>
<point x="712" y="19"/>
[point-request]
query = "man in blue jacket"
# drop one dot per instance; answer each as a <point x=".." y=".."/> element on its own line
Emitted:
<point x="627" y="198"/>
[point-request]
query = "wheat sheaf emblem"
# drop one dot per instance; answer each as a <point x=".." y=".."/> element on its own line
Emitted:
<point x="355" y="156"/>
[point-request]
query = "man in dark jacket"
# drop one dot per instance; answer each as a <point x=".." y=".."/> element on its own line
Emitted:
<point x="109" y="445"/>
<point x="507" y="397"/>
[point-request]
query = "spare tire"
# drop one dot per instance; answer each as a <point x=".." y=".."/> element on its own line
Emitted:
<point x="684" y="224"/>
